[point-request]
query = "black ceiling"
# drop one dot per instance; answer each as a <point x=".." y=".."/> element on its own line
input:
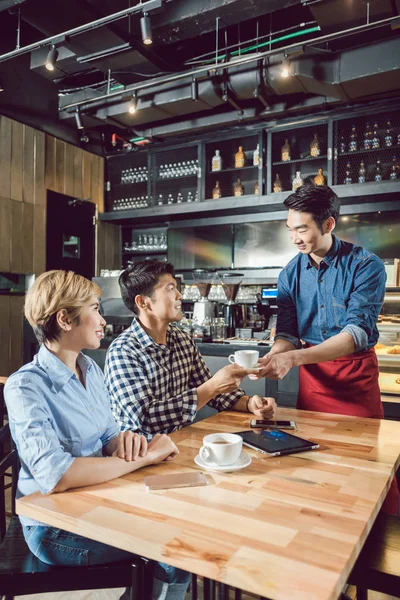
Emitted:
<point x="112" y="58"/>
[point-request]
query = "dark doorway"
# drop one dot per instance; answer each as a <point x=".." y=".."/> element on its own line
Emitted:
<point x="70" y="233"/>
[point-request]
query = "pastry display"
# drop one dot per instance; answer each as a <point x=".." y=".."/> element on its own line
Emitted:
<point x="394" y="350"/>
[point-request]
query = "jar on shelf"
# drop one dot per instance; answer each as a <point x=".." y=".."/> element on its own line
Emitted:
<point x="285" y="151"/>
<point x="216" y="193"/>
<point x="240" y="158"/>
<point x="277" y="187"/>
<point x="353" y="145"/>
<point x="348" y="178"/>
<point x="216" y="163"/>
<point x="315" y="149"/>
<point x="319" y="179"/>
<point x="297" y="181"/>
<point x="256" y="156"/>
<point x="361" y="172"/>
<point x="238" y="189"/>
<point x="256" y="188"/>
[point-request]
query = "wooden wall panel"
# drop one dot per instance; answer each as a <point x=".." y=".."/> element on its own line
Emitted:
<point x="32" y="162"/>
<point x="28" y="170"/>
<point x="5" y="157"/>
<point x="40" y="188"/>
<point x="17" y="160"/>
<point x="5" y="227"/>
<point x="108" y="243"/>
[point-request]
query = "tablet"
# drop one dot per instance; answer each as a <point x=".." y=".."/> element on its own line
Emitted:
<point x="276" y="442"/>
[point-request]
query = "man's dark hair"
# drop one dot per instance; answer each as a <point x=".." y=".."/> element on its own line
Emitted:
<point x="141" y="280"/>
<point x="318" y="200"/>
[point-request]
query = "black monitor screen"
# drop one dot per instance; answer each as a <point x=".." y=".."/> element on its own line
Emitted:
<point x="377" y="232"/>
<point x="200" y="247"/>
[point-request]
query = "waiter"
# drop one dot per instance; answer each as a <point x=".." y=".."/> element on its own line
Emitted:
<point x="329" y="296"/>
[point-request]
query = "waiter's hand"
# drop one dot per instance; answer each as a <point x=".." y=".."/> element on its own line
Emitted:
<point x="275" y="366"/>
<point x="264" y="408"/>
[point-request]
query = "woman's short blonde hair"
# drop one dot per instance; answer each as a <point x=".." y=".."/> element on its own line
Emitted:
<point x="54" y="291"/>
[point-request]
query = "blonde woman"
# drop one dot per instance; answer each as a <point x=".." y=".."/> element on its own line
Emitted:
<point x="62" y="425"/>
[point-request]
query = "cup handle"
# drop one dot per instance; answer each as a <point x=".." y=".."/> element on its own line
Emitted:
<point x="205" y="454"/>
<point x="231" y="356"/>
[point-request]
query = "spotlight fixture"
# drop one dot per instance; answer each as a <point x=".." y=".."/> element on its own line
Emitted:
<point x="194" y="88"/>
<point x="133" y="104"/>
<point x="51" y="58"/>
<point x="285" y="71"/>
<point x="78" y="119"/>
<point x="145" y="26"/>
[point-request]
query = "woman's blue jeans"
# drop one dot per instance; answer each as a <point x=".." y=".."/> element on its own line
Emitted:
<point x="58" y="547"/>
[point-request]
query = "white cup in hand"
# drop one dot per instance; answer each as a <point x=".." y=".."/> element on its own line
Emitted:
<point x="221" y="448"/>
<point x="245" y="358"/>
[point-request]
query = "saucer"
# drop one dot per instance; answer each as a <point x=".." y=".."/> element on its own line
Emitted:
<point x="243" y="461"/>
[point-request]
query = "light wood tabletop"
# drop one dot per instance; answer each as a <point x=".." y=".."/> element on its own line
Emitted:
<point x="284" y="527"/>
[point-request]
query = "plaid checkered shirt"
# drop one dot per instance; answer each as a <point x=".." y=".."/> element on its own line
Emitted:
<point x="153" y="386"/>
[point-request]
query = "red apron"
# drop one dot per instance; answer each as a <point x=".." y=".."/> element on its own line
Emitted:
<point x="346" y="386"/>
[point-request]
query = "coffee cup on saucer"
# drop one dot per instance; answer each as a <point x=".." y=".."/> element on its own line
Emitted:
<point x="221" y="448"/>
<point x="245" y="358"/>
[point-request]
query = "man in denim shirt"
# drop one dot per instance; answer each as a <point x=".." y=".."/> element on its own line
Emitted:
<point x="329" y="296"/>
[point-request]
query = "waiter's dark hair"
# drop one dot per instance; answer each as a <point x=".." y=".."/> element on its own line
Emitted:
<point x="140" y="280"/>
<point x="318" y="200"/>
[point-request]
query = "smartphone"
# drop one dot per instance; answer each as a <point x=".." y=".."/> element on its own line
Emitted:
<point x="177" y="480"/>
<point x="272" y="424"/>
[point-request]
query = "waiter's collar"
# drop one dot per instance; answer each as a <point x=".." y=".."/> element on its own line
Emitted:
<point x="329" y="259"/>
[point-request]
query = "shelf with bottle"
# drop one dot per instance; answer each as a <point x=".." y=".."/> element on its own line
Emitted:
<point x="150" y="242"/>
<point x="234" y="169"/>
<point x="300" y="177"/>
<point x="237" y="189"/>
<point x="131" y="202"/>
<point x="362" y="172"/>
<point x="299" y="160"/>
<point x="178" y="198"/>
<point x="179" y="170"/>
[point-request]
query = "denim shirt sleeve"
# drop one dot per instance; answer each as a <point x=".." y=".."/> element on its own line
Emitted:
<point x="286" y="327"/>
<point x="365" y="301"/>
<point x="37" y="442"/>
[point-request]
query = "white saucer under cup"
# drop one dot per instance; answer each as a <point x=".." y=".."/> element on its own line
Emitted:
<point x="242" y="462"/>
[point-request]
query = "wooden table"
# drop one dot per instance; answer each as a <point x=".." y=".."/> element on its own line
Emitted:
<point x="284" y="527"/>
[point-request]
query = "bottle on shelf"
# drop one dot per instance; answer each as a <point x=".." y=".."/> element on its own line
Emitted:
<point x="297" y="181"/>
<point x="277" y="187"/>
<point x="319" y="179"/>
<point x="238" y="189"/>
<point x="394" y="169"/>
<point x="160" y="200"/>
<point x="256" y="188"/>
<point x="361" y="172"/>
<point x="196" y="196"/>
<point x="378" y="171"/>
<point x="398" y="139"/>
<point x="240" y="158"/>
<point x="389" y="135"/>
<point x="353" y="145"/>
<point x="179" y="198"/>
<point x="216" y="163"/>
<point x="285" y="151"/>
<point x="216" y="193"/>
<point x="170" y="199"/>
<point x="342" y="144"/>
<point x="189" y="197"/>
<point x="367" y="137"/>
<point x="376" y="142"/>
<point x="256" y="156"/>
<point x="315" y="148"/>
<point x="348" y="179"/>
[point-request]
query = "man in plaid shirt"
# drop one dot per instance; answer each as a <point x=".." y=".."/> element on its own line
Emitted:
<point x="156" y="377"/>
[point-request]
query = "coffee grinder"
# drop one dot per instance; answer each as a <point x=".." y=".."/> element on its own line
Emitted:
<point x="204" y="308"/>
<point x="232" y="311"/>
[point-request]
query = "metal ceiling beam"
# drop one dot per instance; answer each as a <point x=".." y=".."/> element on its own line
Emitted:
<point x="210" y="70"/>
<point x="143" y="6"/>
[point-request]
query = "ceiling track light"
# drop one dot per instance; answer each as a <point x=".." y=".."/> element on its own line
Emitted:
<point x="145" y="26"/>
<point x="78" y="120"/>
<point x="194" y="88"/>
<point x="285" y="70"/>
<point x="133" y="104"/>
<point x="51" y="58"/>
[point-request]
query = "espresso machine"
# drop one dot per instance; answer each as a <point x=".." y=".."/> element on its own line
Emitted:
<point x="204" y="308"/>
<point x="233" y="312"/>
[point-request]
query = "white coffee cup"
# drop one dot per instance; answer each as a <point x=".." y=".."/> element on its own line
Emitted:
<point x="245" y="358"/>
<point x="221" y="448"/>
